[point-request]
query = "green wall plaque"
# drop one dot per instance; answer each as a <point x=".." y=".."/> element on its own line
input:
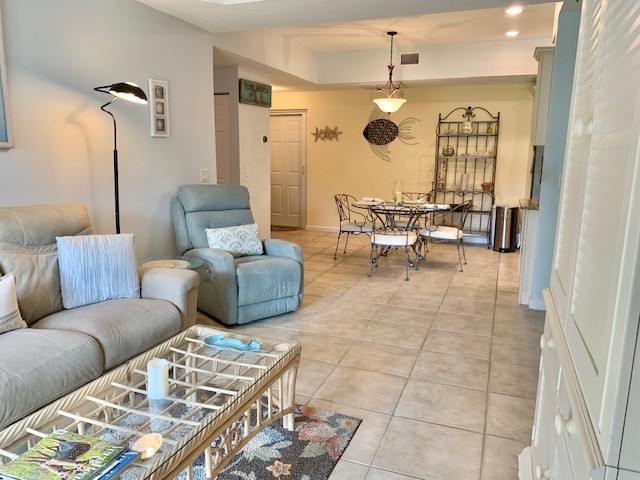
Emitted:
<point x="254" y="93"/>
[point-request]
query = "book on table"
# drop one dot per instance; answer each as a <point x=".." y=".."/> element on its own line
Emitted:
<point x="116" y="467"/>
<point x="63" y="455"/>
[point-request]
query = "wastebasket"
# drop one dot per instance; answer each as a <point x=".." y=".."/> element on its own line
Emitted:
<point x="506" y="229"/>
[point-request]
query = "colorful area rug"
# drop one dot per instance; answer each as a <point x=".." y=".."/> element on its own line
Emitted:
<point x="308" y="453"/>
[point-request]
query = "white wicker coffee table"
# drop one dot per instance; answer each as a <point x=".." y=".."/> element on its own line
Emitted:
<point x="219" y="399"/>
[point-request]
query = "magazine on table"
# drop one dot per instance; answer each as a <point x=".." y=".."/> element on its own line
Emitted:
<point x="62" y="455"/>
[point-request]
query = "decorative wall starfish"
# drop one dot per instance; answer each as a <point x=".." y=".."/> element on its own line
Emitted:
<point x="326" y="133"/>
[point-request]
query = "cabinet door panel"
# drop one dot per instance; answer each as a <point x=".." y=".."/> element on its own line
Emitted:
<point x="573" y="434"/>
<point x="546" y="401"/>
<point x="561" y="464"/>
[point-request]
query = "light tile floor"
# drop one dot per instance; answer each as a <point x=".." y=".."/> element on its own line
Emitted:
<point x="442" y="369"/>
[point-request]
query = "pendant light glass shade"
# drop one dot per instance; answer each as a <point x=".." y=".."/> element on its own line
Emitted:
<point x="389" y="105"/>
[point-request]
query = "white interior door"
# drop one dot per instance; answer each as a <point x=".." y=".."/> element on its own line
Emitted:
<point x="223" y="147"/>
<point x="288" y="152"/>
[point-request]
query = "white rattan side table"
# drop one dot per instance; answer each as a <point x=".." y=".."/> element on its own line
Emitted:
<point x="219" y="399"/>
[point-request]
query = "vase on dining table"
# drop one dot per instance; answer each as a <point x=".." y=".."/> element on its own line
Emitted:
<point x="396" y="194"/>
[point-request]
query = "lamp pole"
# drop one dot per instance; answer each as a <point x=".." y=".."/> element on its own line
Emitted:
<point x="115" y="162"/>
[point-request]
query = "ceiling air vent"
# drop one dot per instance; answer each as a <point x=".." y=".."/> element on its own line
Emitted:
<point x="409" y="59"/>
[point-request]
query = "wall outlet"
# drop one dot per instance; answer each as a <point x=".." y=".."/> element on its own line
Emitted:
<point x="204" y="175"/>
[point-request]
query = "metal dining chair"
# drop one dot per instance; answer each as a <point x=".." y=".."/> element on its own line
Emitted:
<point x="394" y="226"/>
<point x="352" y="222"/>
<point x="448" y="226"/>
<point x="417" y="196"/>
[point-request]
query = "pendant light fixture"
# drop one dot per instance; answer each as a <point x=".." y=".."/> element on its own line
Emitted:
<point x="389" y="97"/>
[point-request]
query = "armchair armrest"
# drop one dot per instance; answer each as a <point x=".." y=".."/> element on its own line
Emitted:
<point x="282" y="248"/>
<point x="178" y="286"/>
<point x="218" y="294"/>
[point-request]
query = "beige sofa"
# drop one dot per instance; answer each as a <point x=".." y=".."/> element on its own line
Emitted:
<point x="64" y="349"/>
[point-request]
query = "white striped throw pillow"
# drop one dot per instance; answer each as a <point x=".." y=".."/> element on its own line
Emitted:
<point x="96" y="268"/>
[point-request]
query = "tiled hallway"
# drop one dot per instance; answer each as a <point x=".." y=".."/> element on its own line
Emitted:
<point x="442" y="369"/>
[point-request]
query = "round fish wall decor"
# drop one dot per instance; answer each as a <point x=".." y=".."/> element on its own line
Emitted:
<point x="381" y="131"/>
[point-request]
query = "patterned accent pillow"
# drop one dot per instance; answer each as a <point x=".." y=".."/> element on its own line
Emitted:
<point x="238" y="241"/>
<point x="96" y="268"/>
<point x="10" y="318"/>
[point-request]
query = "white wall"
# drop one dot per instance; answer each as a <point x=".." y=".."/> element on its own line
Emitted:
<point x="255" y="155"/>
<point x="56" y="53"/>
<point x="250" y="156"/>
<point x="437" y="62"/>
<point x="227" y="82"/>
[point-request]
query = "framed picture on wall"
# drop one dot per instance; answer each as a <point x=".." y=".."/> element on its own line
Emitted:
<point x="6" y="139"/>
<point x="159" y="107"/>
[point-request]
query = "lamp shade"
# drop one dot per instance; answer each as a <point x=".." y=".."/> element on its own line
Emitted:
<point x="389" y="105"/>
<point x="128" y="91"/>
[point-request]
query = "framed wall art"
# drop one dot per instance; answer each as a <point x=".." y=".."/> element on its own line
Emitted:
<point x="159" y="107"/>
<point x="6" y="139"/>
<point x="254" y="93"/>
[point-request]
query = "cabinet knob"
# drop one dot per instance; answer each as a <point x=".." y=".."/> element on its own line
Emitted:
<point x="564" y="424"/>
<point x="542" y="473"/>
<point x="590" y="127"/>
<point x="546" y="342"/>
<point x="578" y="127"/>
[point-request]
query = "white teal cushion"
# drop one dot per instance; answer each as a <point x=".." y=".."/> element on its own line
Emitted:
<point x="10" y="318"/>
<point x="95" y="268"/>
<point x="238" y="241"/>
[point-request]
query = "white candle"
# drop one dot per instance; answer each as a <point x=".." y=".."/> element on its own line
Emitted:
<point x="464" y="179"/>
<point x="158" y="378"/>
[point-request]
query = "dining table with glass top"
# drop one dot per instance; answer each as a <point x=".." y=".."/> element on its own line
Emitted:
<point x="393" y="221"/>
<point x="367" y="203"/>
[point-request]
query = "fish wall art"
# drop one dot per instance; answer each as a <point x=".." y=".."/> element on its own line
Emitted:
<point x="381" y="131"/>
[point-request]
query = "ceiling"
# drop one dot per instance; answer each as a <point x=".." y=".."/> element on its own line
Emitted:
<point x="352" y="25"/>
<point x="429" y="29"/>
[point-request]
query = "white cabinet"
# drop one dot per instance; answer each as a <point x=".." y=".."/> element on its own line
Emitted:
<point x="544" y="56"/>
<point x="593" y="305"/>
<point x="527" y="252"/>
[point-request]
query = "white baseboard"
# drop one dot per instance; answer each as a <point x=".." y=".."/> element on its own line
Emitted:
<point x="537" y="305"/>
<point x="320" y="228"/>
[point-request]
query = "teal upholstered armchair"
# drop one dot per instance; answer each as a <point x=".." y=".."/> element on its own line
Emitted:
<point x="235" y="290"/>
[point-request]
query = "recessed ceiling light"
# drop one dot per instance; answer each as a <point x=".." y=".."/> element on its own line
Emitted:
<point x="512" y="33"/>
<point x="515" y="10"/>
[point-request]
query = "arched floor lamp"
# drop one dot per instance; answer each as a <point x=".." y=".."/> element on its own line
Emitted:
<point x="132" y="93"/>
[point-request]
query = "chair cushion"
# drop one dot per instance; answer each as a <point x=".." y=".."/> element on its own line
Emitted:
<point x="357" y="227"/>
<point x="37" y="366"/>
<point x="95" y="268"/>
<point x="123" y="327"/>
<point x="37" y="278"/>
<point x="239" y="241"/>
<point x="442" y="232"/>
<point x="390" y="240"/>
<point x="10" y="318"/>
<point x="268" y="278"/>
